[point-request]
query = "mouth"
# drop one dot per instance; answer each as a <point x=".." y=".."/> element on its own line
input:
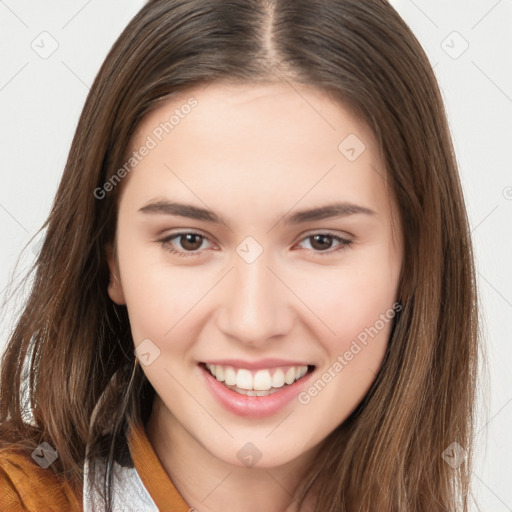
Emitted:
<point x="257" y="382"/>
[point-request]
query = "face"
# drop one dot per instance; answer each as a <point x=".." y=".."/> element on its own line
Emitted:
<point x="256" y="255"/>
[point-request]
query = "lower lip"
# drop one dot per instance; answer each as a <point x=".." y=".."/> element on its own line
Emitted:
<point x="253" y="406"/>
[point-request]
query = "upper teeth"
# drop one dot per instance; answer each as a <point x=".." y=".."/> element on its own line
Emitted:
<point x="261" y="380"/>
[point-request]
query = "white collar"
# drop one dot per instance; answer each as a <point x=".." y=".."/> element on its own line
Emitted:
<point x="128" y="491"/>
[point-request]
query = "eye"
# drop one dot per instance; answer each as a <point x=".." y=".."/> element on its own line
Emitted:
<point x="321" y="242"/>
<point x="189" y="241"/>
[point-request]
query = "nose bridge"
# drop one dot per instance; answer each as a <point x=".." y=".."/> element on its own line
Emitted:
<point x="256" y="303"/>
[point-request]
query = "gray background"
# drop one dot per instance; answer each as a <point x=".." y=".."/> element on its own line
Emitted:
<point x="470" y="46"/>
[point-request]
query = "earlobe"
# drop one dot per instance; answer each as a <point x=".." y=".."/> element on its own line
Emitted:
<point x="115" y="287"/>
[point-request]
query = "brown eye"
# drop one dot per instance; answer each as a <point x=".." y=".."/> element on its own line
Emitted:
<point x="184" y="244"/>
<point x="321" y="243"/>
<point x="191" y="241"/>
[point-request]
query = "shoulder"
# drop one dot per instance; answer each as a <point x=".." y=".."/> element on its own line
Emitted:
<point x="28" y="487"/>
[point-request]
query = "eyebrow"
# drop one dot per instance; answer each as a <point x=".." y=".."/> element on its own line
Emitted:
<point x="333" y="210"/>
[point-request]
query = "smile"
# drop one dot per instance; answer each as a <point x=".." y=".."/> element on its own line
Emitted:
<point x="262" y="382"/>
<point x="258" y="391"/>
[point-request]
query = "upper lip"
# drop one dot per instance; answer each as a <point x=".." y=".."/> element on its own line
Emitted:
<point x="256" y="365"/>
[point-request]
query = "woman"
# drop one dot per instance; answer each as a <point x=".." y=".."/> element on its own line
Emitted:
<point x="256" y="289"/>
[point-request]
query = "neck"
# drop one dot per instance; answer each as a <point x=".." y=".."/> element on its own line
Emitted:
<point x="209" y="484"/>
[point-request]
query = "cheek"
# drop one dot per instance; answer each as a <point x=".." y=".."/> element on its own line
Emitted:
<point x="352" y="299"/>
<point x="156" y="294"/>
<point x="358" y="308"/>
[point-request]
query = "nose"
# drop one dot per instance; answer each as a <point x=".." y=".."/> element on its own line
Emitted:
<point x="256" y="305"/>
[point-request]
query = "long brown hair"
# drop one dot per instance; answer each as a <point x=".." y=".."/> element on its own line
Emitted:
<point x="76" y="342"/>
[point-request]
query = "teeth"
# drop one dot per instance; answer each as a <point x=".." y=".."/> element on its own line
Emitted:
<point x="219" y="373"/>
<point x="278" y="379"/>
<point x="289" y="376"/>
<point x="251" y="392"/>
<point x="261" y="382"/>
<point x="244" y="379"/>
<point x="229" y="375"/>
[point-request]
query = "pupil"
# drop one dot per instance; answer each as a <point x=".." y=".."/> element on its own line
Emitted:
<point x="324" y="241"/>
<point x="189" y="240"/>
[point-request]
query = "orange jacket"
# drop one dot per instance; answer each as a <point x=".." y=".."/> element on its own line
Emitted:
<point x="27" y="487"/>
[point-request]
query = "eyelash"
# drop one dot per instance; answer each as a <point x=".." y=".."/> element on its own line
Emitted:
<point x="344" y="243"/>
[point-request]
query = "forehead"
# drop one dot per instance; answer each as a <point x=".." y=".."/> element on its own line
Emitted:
<point x="252" y="113"/>
<point x="258" y="141"/>
<point x="274" y="105"/>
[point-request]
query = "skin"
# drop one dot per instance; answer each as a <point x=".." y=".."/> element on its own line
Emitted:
<point x="253" y="154"/>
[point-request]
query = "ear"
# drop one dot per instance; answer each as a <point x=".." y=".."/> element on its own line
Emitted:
<point x="115" y="288"/>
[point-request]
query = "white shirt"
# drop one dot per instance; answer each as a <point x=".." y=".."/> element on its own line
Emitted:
<point x="128" y="491"/>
